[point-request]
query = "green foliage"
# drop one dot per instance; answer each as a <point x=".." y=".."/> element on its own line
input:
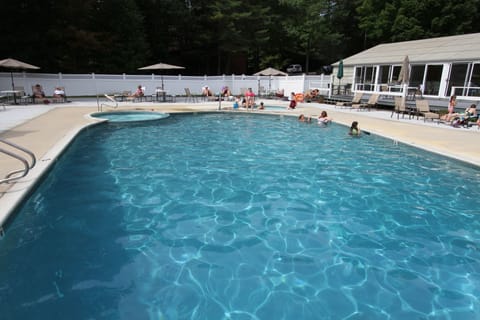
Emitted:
<point x="215" y="37"/>
<point x="402" y="20"/>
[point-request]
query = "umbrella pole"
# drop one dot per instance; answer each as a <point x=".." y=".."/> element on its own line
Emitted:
<point x="13" y="89"/>
<point x="269" y="85"/>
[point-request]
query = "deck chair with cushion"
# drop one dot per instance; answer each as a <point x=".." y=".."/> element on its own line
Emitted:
<point x="137" y="97"/>
<point x="22" y="97"/>
<point x="131" y="97"/>
<point x="468" y="121"/>
<point x="38" y="95"/>
<point x="3" y="101"/>
<point x="371" y="103"/>
<point x="189" y="96"/>
<point x="357" y="98"/>
<point x="400" y="107"/>
<point x="423" y="109"/>
<point x="59" y="95"/>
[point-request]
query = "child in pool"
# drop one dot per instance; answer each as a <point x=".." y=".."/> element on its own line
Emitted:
<point x="323" y="119"/>
<point x="354" y="129"/>
<point x="302" y="118"/>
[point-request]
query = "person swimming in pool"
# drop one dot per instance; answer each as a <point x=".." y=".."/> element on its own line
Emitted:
<point x="354" y="129"/>
<point x="323" y="119"/>
<point x="302" y="118"/>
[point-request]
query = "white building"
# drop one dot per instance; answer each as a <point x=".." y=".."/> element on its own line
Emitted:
<point x="439" y="67"/>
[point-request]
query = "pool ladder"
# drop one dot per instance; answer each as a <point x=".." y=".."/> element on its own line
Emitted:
<point x="14" y="175"/>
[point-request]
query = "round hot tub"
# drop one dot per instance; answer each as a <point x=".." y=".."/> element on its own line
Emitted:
<point x="130" y="116"/>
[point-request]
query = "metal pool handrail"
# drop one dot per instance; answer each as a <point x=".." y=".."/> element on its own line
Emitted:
<point x="27" y="166"/>
<point x="110" y="99"/>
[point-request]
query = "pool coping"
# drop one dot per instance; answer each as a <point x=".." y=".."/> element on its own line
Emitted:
<point x="21" y="188"/>
<point x="18" y="191"/>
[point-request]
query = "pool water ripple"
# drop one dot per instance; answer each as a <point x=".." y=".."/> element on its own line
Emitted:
<point x="224" y="216"/>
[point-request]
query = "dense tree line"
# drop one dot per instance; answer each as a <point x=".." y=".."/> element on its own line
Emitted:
<point x="217" y="37"/>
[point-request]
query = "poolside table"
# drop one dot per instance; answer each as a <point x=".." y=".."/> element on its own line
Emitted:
<point x="161" y="93"/>
<point x="9" y="93"/>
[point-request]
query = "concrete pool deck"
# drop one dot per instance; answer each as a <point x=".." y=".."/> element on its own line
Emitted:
<point x="46" y="130"/>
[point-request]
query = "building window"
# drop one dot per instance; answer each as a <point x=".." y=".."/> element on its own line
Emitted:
<point x="365" y="78"/>
<point x="395" y="73"/>
<point x="417" y="72"/>
<point x="433" y="78"/>
<point x="474" y="83"/>
<point x="458" y="78"/>
<point x="384" y="75"/>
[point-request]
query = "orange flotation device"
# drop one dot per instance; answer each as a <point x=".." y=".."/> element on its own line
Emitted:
<point x="299" y="97"/>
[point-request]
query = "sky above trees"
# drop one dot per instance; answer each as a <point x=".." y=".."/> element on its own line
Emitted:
<point x="217" y="37"/>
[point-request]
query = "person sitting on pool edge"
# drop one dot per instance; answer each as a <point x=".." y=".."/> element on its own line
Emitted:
<point x="354" y="129"/>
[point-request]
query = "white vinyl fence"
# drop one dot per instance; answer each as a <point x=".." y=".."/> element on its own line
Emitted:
<point x="99" y="84"/>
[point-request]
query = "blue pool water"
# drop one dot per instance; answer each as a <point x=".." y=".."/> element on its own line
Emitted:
<point x="234" y="216"/>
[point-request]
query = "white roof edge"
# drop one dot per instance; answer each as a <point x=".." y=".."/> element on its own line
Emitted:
<point x="456" y="48"/>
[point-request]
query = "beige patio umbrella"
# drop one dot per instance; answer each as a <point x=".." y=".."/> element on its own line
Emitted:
<point x="269" y="72"/>
<point x="404" y="77"/>
<point x="161" y="66"/>
<point x="13" y="64"/>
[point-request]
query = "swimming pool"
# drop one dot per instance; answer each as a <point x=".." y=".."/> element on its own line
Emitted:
<point x="236" y="216"/>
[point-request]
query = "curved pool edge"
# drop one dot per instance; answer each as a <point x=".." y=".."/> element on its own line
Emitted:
<point x="20" y="189"/>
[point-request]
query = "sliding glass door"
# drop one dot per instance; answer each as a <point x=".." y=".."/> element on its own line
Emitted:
<point x="432" y="79"/>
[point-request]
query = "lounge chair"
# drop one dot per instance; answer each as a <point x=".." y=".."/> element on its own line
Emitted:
<point x="138" y="97"/>
<point x="400" y="107"/>
<point x="3" y="99"/>
<point x="22" y="96"/>
<point x="357" y="98"/>
<point x="423" y="109"/>
<point x="372" y="102"/>
<point x="59" y="98"/>
<point x="464" y="120"/>
<point x="38" y="95"/>
<point x="189" y="96"/>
